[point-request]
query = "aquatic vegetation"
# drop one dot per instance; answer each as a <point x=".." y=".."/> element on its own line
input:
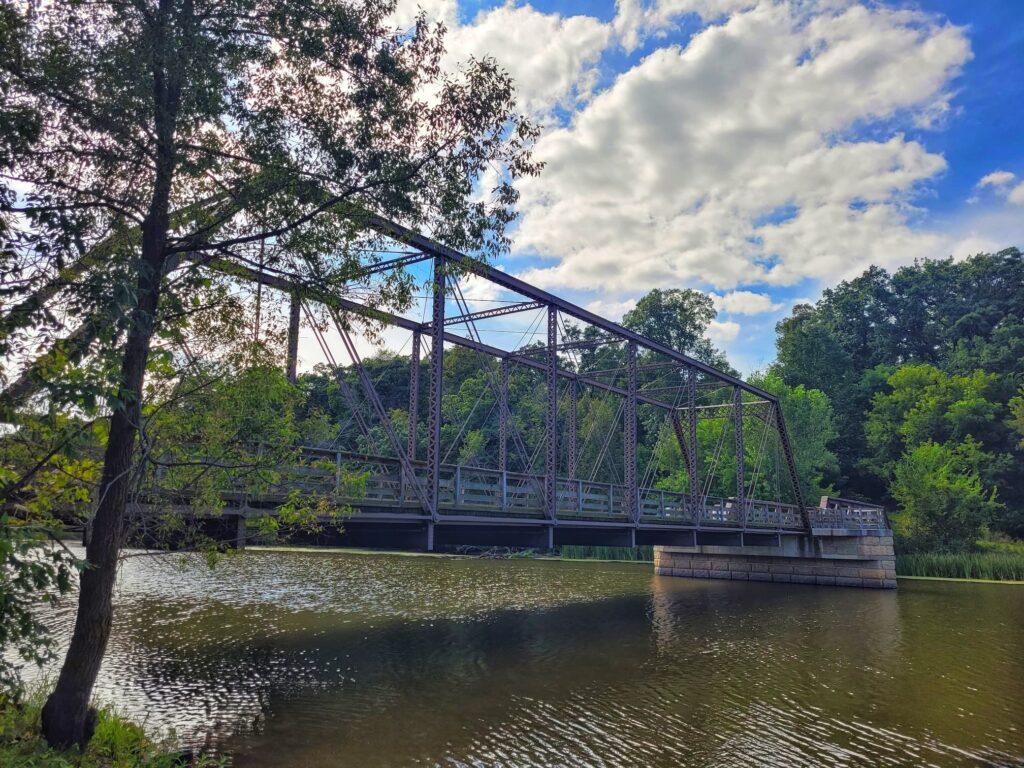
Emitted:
<point x="995" y="566"/>
<point x="630" y="554"/>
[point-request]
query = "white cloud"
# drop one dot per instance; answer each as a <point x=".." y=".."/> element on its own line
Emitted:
<point x="406" y="11"/>
<point x="729" y="161"/>
<point x="611" y="309"/>
<point x="636" y="19"/>
<point x="551" y="58"/>
<point x="996" y="179"/>
<point x="723" y="331"/>
<point x="745" y="303"/>
<point x="1000" y="181"/>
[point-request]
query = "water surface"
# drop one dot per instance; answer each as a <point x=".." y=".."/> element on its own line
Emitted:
<point x="327" y="659"/>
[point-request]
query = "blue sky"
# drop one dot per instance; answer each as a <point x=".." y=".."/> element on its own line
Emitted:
<point x="756" y="150"/>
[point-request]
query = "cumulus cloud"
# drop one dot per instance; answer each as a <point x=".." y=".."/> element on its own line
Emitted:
<point x="731" y="160"/>
<point x="552" y="58"/>
<point x="613" y="310"/>
<point x="1000" y="181"/>
<point x="406" y="11"/>
<point x="745" y="303"/>
<point x="996" y="179"/>
<point x="723" y="331"/>
<point x="635" y="19"/>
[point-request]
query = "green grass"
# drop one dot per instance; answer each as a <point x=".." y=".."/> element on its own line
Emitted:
<point x="989" y="566"/>
<point x="116" y="743"/>
<point x="630" y="554"/>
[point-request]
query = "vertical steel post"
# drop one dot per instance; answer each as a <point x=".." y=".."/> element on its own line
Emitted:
<point x="787" y="452"/>
<point x="414" y="396"/>
<point x="629" y="437"/>
<point x="292" y="359"/>
<point x="741" y="459"/>
<point x="551" y="418"/>
<point x="503" y="415"/>
<point x="573" y="446"/>
<point x="696" y="503"/>
<point x="436" y="372"/>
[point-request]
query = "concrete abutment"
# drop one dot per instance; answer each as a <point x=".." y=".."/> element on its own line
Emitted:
<point x="841" y="561"/>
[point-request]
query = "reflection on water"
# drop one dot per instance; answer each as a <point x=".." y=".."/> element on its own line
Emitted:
<point x="321" y="659"/>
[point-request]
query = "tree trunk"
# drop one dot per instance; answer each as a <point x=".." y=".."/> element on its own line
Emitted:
<point x="66" y="718"/>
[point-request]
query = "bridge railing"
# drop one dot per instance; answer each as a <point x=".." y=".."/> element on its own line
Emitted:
<point x="482" y="490"/>
<point x="836" y="513"/>
<point x="665" y="505"/>
<point x="388" y="482"/>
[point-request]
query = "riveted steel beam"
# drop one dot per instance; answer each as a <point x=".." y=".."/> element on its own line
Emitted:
<point x="483" y="314"/>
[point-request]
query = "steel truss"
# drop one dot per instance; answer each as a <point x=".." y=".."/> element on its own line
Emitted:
<point x="743" y="400"/>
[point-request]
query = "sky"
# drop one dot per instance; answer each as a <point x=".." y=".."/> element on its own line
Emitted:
<point x="756" y="150"/>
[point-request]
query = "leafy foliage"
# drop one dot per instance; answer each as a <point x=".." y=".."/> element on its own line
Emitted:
<point x="944" y="505"/>
<point x="33" y="571"/>
<point x="931" y="355"/>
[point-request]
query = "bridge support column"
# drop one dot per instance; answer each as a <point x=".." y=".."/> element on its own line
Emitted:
<point x="572" y="437"/>
<point x="414" y="396"/>
<point x="629" y="437"/>
<point x="741" y="457"/>
<point x="551" y="419"/>
<point x="503" y="419"/>
<point x="430" y="537"/>
<point x="836" y="561"/>
<point x="436" y="377"/>
<point x="240" y="531"/>
<point x="695" y="495"/>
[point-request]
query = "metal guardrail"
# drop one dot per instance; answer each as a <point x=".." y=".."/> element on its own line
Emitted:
<point x="464" y="490"/>
<point x="847" y="514"/>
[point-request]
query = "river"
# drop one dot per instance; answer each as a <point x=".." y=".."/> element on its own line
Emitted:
<point x="333" y="659"/>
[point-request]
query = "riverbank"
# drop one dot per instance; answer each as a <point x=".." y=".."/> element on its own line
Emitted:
<point x="117" y="743"/>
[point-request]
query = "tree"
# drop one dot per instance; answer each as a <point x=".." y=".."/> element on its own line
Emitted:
<point x="956" y="316"/>
<point x="676" y="317"/>
<point x="199" y="129"/>
<point x="944" y="504"/>
<point x="924" y="404"/>
<point x="1017" y="414"/>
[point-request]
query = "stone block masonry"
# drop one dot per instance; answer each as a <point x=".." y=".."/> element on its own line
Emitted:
<point x="841" y="561"/>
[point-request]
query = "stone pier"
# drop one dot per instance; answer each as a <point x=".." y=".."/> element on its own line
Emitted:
<point x="838" y="561"/>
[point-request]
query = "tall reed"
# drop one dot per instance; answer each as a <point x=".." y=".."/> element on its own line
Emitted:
<point x="995" y="566"/>
<point x="631" y="554"/>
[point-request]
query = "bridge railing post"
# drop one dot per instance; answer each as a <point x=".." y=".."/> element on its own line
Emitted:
<point x="579" y="498"/>
<point x="337" y="473"/>
<point x="458" y="485"/>
<point x="504" y="490"/>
